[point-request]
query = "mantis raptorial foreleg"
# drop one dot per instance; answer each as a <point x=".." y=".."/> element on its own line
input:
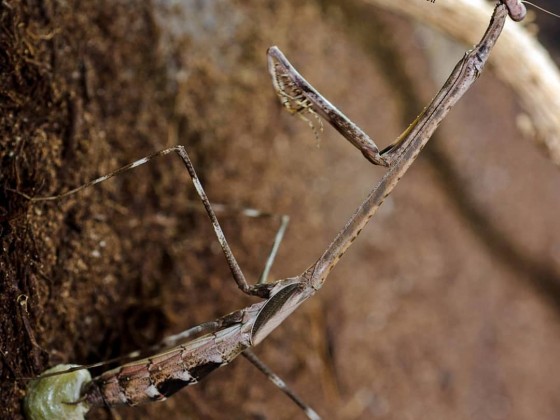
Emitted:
<point x="299" y="97"/>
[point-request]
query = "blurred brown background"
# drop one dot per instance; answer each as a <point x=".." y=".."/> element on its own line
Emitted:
<point x="447" y="306"/>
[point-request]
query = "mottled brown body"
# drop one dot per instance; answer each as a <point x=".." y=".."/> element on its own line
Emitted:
<point x="157" y="377"/>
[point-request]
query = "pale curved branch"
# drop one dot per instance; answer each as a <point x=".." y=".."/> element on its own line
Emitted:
<point x="519" y="59"/>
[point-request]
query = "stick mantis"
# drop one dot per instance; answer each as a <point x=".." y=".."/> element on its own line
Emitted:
<point x="159" y="376"/>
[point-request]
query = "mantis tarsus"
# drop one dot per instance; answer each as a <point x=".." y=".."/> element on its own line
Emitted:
<point x="159" y="376"/>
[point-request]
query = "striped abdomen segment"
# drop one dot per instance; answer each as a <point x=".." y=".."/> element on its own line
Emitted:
<point x="157" y="377"/>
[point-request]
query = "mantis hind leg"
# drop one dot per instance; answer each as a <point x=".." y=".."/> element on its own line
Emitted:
<point x="276" y="380"/>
